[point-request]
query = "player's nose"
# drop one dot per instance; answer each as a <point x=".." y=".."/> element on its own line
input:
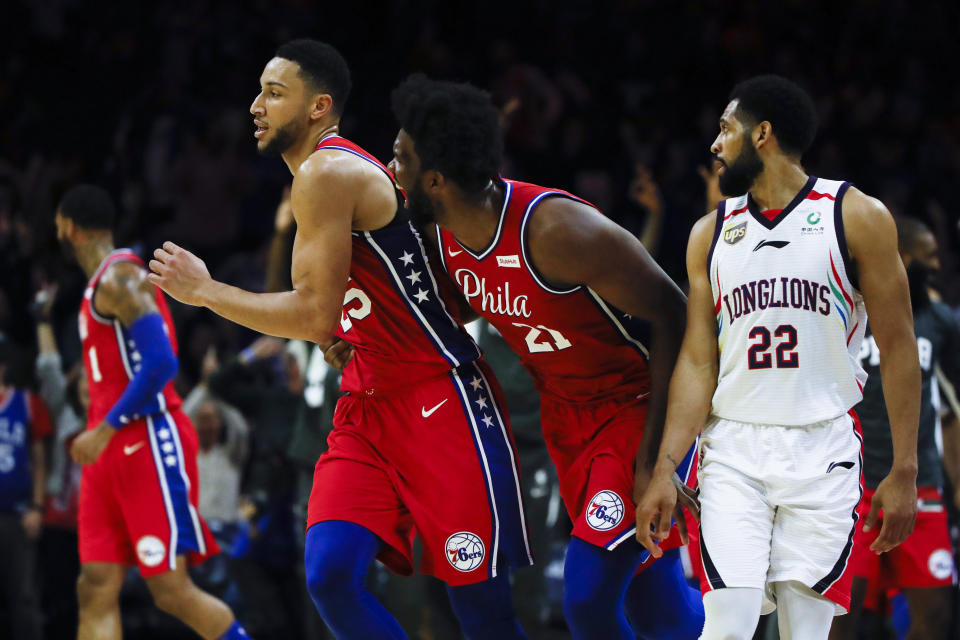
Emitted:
<point x="392" y="166"/>
<point x="256" y="107"/>
<point x="715" y="146"/>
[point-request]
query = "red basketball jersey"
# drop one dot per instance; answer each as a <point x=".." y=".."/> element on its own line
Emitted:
<point x="110" y="356"/>
<point x="399" y="316"/>
<point x="577" y="346"/>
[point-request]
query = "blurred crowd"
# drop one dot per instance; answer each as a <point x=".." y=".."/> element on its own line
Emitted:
<point x="616" y="101"/>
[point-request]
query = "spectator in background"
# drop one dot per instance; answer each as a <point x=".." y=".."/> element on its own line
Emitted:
<point x="266" y="383"/>
<point x="67" y="400"/>
<point x="24" y="424"/>
<point x="223" y="435"/>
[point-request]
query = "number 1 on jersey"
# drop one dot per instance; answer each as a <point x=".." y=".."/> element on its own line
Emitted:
<point x="787" y="358"/>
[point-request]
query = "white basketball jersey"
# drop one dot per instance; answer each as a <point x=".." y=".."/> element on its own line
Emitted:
<point x="790" y="320"/>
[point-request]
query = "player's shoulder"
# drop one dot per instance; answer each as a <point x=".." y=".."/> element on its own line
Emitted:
<point x="122" y="282"/>
<point x="705" y="226"/>
<point x="860" y="208"/>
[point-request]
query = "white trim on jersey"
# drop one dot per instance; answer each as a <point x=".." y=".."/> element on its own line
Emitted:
<point x="411" y="303"/>
<point x="194" y="518"/>
<point x="513" y="462"/>
<point x="523" y="244"/>
<point x="629" y="533"/>
<point x="508" y="191"/>
<point x="165" y="490"/>
<point x="616" y="322"/>
<point x="465" y="399"/>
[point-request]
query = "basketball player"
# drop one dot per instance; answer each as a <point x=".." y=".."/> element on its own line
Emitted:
<point x="420" y="444"/>
<point x="781" y="278"/>
<point x="594" y="319"/>
<point x="921" y="567"/>
<point x="139" y="491"/>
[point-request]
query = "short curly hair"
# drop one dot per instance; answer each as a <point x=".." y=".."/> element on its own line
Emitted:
<point x="455" y="130"/>
<point x="322" y="66"/>
<point x="781" y="102"/>
<point x="89" y="206"/>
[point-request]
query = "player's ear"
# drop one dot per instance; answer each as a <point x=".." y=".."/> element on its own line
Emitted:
<point x="434" y="181"/>
<point x="761" y="133"/>
<point x="322" y="105"/>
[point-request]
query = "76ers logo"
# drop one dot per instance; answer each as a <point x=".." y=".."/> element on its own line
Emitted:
<point x="465" y="551"/>
<point x="604" y="511"/>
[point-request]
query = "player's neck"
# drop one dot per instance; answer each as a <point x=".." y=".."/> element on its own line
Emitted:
<point x="778" y="183"/>
<point x="474" y="223"/>
<point x="91" y="254"/>
<point x="297" y="155"/>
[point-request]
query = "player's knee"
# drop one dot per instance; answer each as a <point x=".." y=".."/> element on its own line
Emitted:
<point x="96" y="586"/>
<point x="578" y="604"/>
<point x="328" y="578"/>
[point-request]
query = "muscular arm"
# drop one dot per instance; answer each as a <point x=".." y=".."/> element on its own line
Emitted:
<point x="872" y="241"/>
<point x="323" y="197"/>
<point x="573" y="243"/>
<point x="695" y="376"/>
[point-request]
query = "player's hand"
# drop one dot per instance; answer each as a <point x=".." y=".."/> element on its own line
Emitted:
<point x="32" y="521"/>
<point x="337" y="353"/>
<point x="711" y="181"/>
<point x="654" y="510"/>
<point x="645" y="192"/>
<point x="88" y="446"/>
<point x="181" y="274"/>
<point x="283" y="220"/>
<point x="897" y="497"/>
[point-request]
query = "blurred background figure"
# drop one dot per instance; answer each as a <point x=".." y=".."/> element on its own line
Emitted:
<point x="67" y="398"/>
<point x="24" y="427"/>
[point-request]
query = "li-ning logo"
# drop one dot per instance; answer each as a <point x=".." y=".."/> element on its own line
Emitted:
<point x="736" y="233"/>
<point x="846" y="464"/>
<point x="512" y="262"/>
<point x="465" y="551"/>
<point x="776" y="244"/>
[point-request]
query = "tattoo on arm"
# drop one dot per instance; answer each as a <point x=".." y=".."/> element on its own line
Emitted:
<point x="672" y="461"/>
<point x="125" y="293"/>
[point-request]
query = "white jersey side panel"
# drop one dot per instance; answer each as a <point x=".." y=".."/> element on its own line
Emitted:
<point x="790" y="321"/>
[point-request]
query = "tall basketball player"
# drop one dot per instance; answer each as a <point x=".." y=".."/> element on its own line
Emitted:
<point x="420" y="444"/>
<point x="139" y="492"/>
<point x="781" y="278"/>
<point x="922" y="567"/>
<point x="594" y="319"/>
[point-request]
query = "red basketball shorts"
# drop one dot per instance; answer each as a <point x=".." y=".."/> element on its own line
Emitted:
<point x="594" y="448"/>
<point x="924" y="559"/>
<point x="138" y="501"/>
<point x="436" y="460"/>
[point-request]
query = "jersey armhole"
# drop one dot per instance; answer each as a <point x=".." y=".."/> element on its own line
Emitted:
<point x="525" y="245"/>
<point x="841" y="235"/>
<point x="440" y="250"/>
<point x="721" y="207"/>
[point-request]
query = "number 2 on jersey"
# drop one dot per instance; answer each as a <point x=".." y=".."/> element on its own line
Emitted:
<point x="758" y="356"/>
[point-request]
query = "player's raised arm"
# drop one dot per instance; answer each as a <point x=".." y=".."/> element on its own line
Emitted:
<point x="323" y="199"/>
<point x="872" y="239"/>
<point x="124" y="293"/>
<point x="691" y="390"/>
<point x="573" y="243"/>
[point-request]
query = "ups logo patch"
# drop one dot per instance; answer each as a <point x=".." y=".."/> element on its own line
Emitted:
<point x="735" y="234"/>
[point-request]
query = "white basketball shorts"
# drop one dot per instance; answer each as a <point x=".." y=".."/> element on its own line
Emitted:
<point x="779" y="503"/>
